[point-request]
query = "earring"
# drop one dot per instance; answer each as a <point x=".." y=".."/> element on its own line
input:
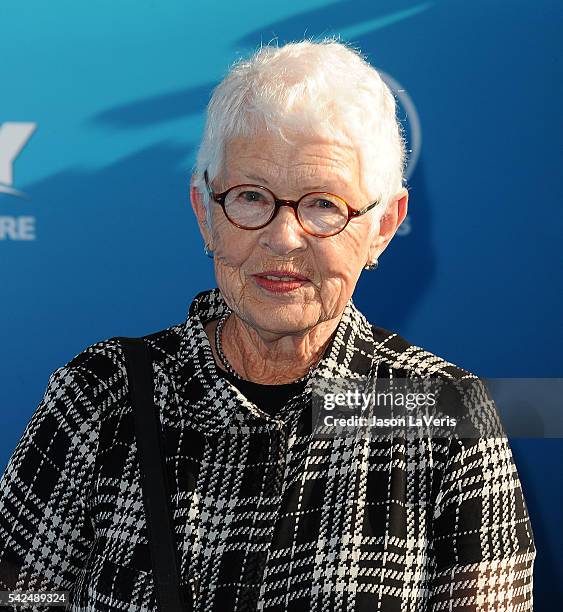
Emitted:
<point x="371" y="266"/>
<point x="208" y="251"/>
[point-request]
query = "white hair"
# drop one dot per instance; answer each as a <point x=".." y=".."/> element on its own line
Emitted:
<point x="321" y="88"/>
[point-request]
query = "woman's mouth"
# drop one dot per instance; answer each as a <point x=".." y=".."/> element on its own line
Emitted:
<point x="280" y="282"/>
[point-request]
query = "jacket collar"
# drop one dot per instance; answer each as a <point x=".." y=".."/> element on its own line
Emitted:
<point x="349" y="355"/>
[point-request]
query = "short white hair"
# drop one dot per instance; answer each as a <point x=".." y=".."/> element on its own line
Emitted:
<point x="322" y="88"/>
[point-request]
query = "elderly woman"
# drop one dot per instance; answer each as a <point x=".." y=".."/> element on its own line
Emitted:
<point x="298" y="187"/>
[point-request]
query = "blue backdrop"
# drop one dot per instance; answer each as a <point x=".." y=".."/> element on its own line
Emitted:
<point x="101" y="111"/>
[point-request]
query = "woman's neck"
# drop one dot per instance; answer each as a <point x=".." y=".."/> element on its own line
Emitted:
<point x="267" y="358"/>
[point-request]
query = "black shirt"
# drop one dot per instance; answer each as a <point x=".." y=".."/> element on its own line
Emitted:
<point x="268" y="398"/>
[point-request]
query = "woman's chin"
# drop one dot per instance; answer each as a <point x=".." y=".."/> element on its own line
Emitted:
<point x="285" y="318"/>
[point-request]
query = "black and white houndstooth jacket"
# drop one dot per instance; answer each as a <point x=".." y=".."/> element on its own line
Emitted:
<point x="266" y="516"/>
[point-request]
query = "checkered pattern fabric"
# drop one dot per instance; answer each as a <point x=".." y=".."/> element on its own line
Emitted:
<point x="267" y="516"/>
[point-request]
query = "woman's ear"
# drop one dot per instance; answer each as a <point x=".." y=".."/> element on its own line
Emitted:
<point x="389" y="223"/>
<point x="200" y="210"/>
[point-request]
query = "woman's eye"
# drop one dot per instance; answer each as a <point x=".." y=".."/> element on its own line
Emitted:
<point x="326" y="204"/>
<point x="251" y="196"/>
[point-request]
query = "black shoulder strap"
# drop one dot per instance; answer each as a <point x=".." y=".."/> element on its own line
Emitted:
<point x="153" y="476"/>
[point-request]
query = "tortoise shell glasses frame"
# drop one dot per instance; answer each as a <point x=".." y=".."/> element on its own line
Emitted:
<point x="221" y="198"/>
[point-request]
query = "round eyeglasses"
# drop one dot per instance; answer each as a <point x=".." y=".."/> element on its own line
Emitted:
<point x="252" y="207"/>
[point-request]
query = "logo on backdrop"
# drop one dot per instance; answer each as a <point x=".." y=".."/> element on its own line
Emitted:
<point x="13" y="138"/>
<point x="410" y="121"/>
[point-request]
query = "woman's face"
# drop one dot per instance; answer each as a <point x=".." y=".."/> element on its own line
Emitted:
<point x="329" y="267"/>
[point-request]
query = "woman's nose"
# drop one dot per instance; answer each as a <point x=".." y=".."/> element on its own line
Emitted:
<point x="284" y="234"/>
